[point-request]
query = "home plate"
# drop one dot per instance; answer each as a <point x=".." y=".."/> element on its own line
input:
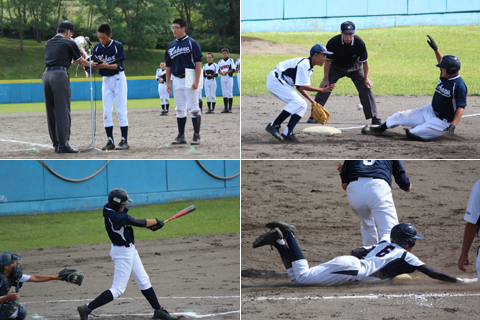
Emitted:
<point x="323" y="130"/>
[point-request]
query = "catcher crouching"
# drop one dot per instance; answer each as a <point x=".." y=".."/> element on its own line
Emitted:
<point x="11" y="275"/>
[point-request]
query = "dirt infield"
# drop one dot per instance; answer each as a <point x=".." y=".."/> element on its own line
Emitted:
<point x="25" y="135"/>
<point x="259" y="110"/>
<point x="195" y="277"/>
<point x="309" y="194"/>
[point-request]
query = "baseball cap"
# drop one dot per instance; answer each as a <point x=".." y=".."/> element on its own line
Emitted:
<point x="319" y="48"/>
<point x="65" y="24"/>
<point x="348" y="27"/>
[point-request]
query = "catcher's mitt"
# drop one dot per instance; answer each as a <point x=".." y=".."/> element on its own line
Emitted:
<point x="157" y="226"/>
<point x="319" y="113"/>
<point x="74" y="276"/>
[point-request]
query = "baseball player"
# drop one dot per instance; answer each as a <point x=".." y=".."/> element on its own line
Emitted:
<point x="237" y="67"/>
<point x="226" y="67"/>
<point x="114" y="84"/>
<point x="11" y="275"/>
<point x="440" y="116"/>
<point x="125" y="256"/>
<point x="369" y="192"/>
<point x="210" y="72"/>
<point x="162" y="88"/>
<point x="181" y="54"/>
<point x="282" y="81"/>
<point x="377" y="263"/>
<point x="350" y="59"/>
<point x="472" y="217"/>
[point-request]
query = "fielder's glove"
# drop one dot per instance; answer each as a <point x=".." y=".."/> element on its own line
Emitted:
<point x="74" y="276"/>
<point x="319" y="113"/>
<point x="450" y="130"/>
<point x="432" y="43"/>
<point x="157" y="226"/>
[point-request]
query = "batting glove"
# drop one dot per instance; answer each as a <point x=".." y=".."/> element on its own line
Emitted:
<point x="432" y="43"/>
<point x="450" y="130"/>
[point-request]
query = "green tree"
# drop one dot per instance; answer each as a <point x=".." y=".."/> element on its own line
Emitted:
<point x="186" y="9"/>
<point x="17" y="17"/>
<point x="40" y="11"/>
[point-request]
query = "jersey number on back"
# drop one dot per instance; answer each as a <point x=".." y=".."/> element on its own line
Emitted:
<point x="385" y="251"/>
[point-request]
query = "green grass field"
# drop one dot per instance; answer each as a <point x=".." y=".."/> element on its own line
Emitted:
<point x="86" y="105"/>
<point x="67" y="229"/>
<point x="29" y="63"/>
<point x="401" y="62"/>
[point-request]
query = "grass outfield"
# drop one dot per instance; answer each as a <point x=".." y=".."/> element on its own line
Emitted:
<point x="400" y="60"/>
<point x="67" y="229"/>
<point x="85" y="105"/>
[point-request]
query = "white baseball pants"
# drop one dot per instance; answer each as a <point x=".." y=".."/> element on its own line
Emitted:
<point x="426" y="124"/>
<point x="162" y="92"/>
<point x="210" y="90"/>
<point x="186" y="99"/>
<point x="371" y="200"/>
<point x="238" y="82"/>
<point x="114" y="89"/>
<point x="127" y="262"/>
<point x="324" y="275"/>
<point x="227" y="86"/>
<point x="295" y="103"/>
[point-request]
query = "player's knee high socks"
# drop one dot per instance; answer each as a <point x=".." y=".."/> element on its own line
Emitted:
<point x="281" y="117"/>
<point x="284" y="254"/>
<point x="109" y="131"/>
<point x="181" y="122"/>
<point x="104" y="298"/>
<point x="209" y="104"/>
<point x="225" y="103"/>
<point x="230" y="103"/>
<point x="295" y="251"/>
<point x="200" y="104"/>
<point x="163" y="107"/>
<point x="294" y="119"/>
<point x="124" y="131"/>
<point x="167" y="105"/>
<point x="150" y="295"/>
<point x="196" y="124"/>
<point x="213" y="105"/>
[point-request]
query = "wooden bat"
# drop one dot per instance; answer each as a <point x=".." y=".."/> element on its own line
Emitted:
<point x="182" y="213"/>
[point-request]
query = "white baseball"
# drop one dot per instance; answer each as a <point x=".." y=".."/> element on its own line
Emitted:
<point x="359" y="107"/>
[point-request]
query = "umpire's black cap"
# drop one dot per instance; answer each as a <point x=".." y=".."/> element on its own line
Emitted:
<point x="348" y="27"/>
<point x="65" y="24"/>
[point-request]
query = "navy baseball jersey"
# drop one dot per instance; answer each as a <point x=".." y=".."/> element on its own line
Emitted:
<point x="381" y="169"/>
<point x="295" y="72"/>
<point x="118" y="226"/>
<point x="182" y="54"/>
<point x="449" y="95"/>
<point x="111" y="53"/>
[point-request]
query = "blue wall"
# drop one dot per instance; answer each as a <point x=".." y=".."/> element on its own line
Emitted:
<point x="137" y="89"/>
<point x="29" y="188"/>
<point x="327" y="15"/>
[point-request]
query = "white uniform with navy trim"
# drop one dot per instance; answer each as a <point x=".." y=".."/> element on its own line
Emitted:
<point x="472" y="215"/>
<point x="162" y="87"/>
<point x="210" y="84"/>
<point x="237" y="66"/>
<point x="226" y="81"/>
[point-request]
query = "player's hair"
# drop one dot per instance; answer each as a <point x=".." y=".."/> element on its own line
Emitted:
<point x="61" y="30"/>
<point x="181" y="22"/>
<point x="210" y="54"/>
<point x="225" y="50"/>
<point x="105" y="29"/>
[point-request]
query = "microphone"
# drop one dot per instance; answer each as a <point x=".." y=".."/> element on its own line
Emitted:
<point x="88" y="41"/>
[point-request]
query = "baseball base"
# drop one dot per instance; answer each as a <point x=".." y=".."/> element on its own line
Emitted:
<point x="322" y="130"/>
<point x="402" y="279"/>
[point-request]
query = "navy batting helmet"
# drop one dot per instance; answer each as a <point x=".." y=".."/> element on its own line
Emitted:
<point x="117" y="197"/>
<point x="450" y="63"/>
<point x="404" y="234"/>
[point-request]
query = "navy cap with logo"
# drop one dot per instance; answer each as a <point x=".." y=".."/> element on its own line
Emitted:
<point x="65" y="24"/>
<point x="319" y="48"/>
<point x="348" y="27"/>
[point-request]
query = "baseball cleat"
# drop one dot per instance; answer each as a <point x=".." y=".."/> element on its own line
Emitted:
<point x="209" y="111"/>
<point x="291" y="138"/>
<point x="283" y="226"/>
<point x="229" y="110"/>
<point x="224" y="111"/>
<point x="311" y="120"/>
<point x="163" y="113"/>
<point x="83" y="311"/>
<point x="109" y="146"/>
<point x="411" y="136"/>
<point x="368" y="129"/>
<point x="180" y="139"/>
<point x="123" y="145"/>
<point x="376" y="121"/>
<point x="163" y="314"/>
<point x="196" y="139"/>
<point x="269" y="238"/>
<point x="274" y="132"/>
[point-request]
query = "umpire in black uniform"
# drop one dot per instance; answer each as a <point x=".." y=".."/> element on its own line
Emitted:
<point x="59" y="52"/>
<point x="350" y="59"/>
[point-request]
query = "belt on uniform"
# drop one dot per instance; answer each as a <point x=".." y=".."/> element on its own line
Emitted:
<point x="55" y="68"/>
<point x="126" y="246"/>
<point x="356" y="178"/>
<point x="181" y="76"/>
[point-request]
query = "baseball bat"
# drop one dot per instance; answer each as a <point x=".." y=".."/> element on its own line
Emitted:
<point x="182" y="213"/>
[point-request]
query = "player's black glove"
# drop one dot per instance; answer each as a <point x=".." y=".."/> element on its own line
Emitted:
<point x="157" y="226"/>
<point x="432" y="43"/>
<point x="450" y="130"/>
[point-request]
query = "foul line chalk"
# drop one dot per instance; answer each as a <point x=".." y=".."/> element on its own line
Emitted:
<point x="186" y="314"/>
<point x="29" y="143"/>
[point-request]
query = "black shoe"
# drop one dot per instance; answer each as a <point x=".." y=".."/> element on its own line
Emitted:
<point x="83" y="311"/>
<point x="69" y="150"/>
<point x="269" y="238"/>
<point x="411" y="136"/>
<point x="291" y="138"/>
<point x="166" y="113"/>
<point x="123" y="145"/>
<point x="274" y="132"/>
<point x="163" y="113"/>
<point x="224" y="111"/>
<point x="283" y="226"/>
<point x="109" y="146"/>
<point x="373" y="129"/>
<point x="209" y="111"/>
<point x="196" y="139"/>
<point x="311" y="120"/>
<point x="376" y="120"/>
<point x="229" y="110"/>
<point x="180" y="139"/>
<point x="163" y="314"/>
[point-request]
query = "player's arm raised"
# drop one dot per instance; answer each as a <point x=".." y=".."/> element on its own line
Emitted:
<point x="434" y="47"/>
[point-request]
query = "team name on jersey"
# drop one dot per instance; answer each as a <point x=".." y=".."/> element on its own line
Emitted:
<point x="440" y="89"/>
<point x="175" y="51"/>
<point x="108" y="60"/>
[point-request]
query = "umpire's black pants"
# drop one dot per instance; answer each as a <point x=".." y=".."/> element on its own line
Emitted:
<point x="57" y="92"/>
<point x="358" y="77"/>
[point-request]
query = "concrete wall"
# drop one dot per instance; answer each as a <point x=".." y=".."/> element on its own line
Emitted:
<point x="29" y="188"/>
<point x="23" y="91"/>
<point x="327" y="15"/>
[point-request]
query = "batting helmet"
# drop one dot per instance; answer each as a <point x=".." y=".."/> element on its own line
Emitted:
<point x="450" y="63"/>
<point x="117" y="197"/>
<point x="404" y="234"/>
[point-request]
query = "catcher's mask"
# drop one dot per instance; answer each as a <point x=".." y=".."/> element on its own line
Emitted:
<point x="117" y="197"/>
<point x="404" y="234"/>
<point x="7" y="258"/>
